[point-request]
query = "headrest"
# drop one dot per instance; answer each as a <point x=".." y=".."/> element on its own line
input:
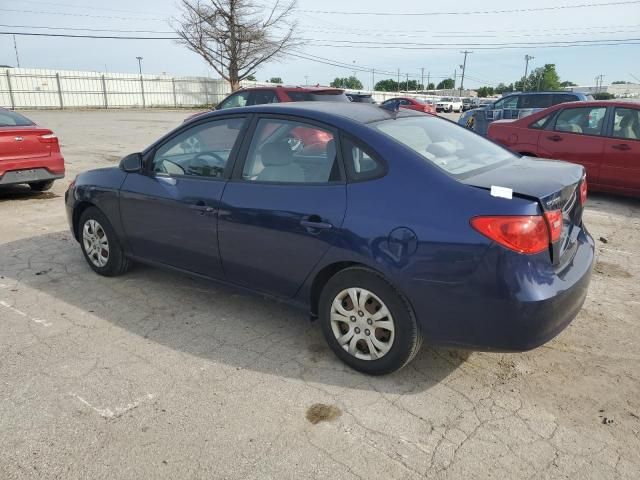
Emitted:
<point x="274" y="154"/>
<point x="441" y="149"/>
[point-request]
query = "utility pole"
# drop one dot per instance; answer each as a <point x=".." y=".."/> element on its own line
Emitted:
<point x="15" y="47"/>
<point x="464" y="66"/>
<point x="139" y="64"/>
<point x="373" y="79"/>
<point x="428" y="78"/>
<point x="526" y="70"/>
<point x="407" y="82"/>
<point x="422" y="79"/>
<point x="398" y="80"/>
<point x="306" y="80"/>
<point x="599" y="80"/>
<point x="455" y="77"/>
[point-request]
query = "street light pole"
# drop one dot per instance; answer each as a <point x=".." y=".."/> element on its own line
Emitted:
<point x="15" y="47"/>
<point x="526" y="70"/>
<point x="140" y="64"/>
<point x="464" y="66"/>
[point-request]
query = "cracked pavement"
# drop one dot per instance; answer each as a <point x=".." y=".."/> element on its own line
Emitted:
<point x="158" y="375"/>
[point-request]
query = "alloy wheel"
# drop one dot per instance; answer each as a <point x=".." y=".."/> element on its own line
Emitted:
<point x="95" y="242"/>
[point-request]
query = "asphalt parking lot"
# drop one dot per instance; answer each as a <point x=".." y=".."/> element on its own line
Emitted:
<point x="157" y="375"/>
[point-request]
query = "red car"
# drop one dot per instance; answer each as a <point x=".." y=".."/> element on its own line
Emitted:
<point x="604" y="137"/>
<point x="413" y="104"/>
<point x="260" y="95"/>
<point x="28" y="153"/>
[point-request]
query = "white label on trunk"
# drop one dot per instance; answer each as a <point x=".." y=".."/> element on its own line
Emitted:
<point x="502" y="192"/>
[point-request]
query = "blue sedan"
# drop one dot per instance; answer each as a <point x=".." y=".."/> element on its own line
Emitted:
<point x="388" y="226"/>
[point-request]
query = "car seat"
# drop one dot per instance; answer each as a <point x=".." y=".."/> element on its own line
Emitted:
<point x="277" y="159"/>
<point x="629" y="127"/>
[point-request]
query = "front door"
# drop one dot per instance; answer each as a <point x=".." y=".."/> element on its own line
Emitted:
<point x="621" y="165"/>
<point x="283" y="208"/>
<point x="576" y="136"/>
<point x="169" y="210"/>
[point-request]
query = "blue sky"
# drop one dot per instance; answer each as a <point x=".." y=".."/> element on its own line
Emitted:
<point x="578" y="64"/>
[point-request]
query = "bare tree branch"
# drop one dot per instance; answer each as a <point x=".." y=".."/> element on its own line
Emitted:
<point x="236" y="36"/>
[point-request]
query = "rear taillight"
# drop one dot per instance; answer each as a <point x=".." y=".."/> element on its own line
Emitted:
<point x="523" y="233"/>
<point x="554" y="220"/>
<point x="583" y="191"/>
<point x="48" y="138"/>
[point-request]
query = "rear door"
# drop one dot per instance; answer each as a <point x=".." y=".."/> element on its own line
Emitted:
<point x="576" y="135"/>
<point x="169" y="210"/>
<point x="284" y="206"/>
<point x="621" y="163"/>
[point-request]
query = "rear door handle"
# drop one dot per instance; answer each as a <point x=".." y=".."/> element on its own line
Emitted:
<point x="555" y="138"/>
<point x="202" y="207"/>
<point x="621" y="146"/>
<point x="315" y="222"/>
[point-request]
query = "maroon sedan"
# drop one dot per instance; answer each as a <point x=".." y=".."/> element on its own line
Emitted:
<point x="28" y="153"/>
<point x="604" y="137"/>
<point x="413" y="104"/>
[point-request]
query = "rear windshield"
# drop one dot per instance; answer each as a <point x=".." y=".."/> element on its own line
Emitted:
<point x="328" y="96"/>
<point x="13" y="119"/>
<point x="456" y="150"/>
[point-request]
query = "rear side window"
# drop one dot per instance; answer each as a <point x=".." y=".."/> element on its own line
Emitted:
<point x="13" y="119"/>
<point x="626" y="123"/>
<point x="582" y="120"/>
<point x="361" y="162"/>
<point x="261" y="97"/>
<point x="535" y="101"/>
<point x="563" y="98"/>
<point x="236" y="100"/>
<point x="542" y="122"/>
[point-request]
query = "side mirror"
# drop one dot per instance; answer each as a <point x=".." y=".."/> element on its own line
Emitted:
<point x="131" y="163"/>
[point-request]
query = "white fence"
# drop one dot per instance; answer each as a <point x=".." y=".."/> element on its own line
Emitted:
<point x="58" y="89"/>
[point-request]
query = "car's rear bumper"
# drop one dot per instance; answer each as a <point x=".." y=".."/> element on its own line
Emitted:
<point x="29" y="175"/>
<point x="509" y="304"/>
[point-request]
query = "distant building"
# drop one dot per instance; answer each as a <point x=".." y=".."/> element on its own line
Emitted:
<point x="620" y="90"/>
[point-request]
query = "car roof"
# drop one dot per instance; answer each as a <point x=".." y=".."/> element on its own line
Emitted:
<point x="598" y="103"/>
<point x="323" y="111"/>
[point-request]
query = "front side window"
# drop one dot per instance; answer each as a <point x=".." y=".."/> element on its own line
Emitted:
<point x="236" y="100"/>
<point x="508" y="103"/>
<point x="455" y="150"/>
<point x="201" y="151"/>
<point x="582" y="120"/>
<point x="626" y="123"/>
<point x="292" y="152"/>
<point x="541" y="100"/>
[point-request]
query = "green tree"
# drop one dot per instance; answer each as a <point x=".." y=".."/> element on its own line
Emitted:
<point x="619" y="82"/>
<point x="603" y="96"/>
<point x="251" y="78"/>
<point x="541" y="79"/>
<point x="388" y="85"/>
<point x="275" y="80"/>
<point x="567" y="83"/>
<point x="431" y="86"/>
<point x="485" y="92"/>
<point x="446" y="84"/>
<point x="501" y="88"/>
<point x="351" y="83"/>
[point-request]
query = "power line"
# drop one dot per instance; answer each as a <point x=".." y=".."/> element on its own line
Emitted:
<point x="373" y="42"/>
<point x="85" y="7"/>
<point x="82" y="15"/>
<point x="477" y="12"/>
<point x="86" y="29"/>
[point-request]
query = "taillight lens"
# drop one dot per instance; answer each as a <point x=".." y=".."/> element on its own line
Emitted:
<point x="554" y="219"/>
<point x="48" y="138"/>
<point x="583" y="191"/>
<point x="523" y="233"/>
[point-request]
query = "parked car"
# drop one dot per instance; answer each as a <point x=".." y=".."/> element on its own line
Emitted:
<point x="354" y="237"/>
<point x="514" y="106"/>
<point x="412" y="104"/>
<point x="604" y="137"/>
<point x="449" y="104"/>
<point x="278" y="94"/>
<point x="29" y="153"/>
<point x="360" y="97"/>
<point x="468" y="104"/>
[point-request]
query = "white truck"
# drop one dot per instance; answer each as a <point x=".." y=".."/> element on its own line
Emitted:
<point x="449" y="104"/>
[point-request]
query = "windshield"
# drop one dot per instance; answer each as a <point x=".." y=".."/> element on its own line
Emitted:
<point x="454" y="149"/>
<point x="447" y="99"/>
<point x="13" y="119"/>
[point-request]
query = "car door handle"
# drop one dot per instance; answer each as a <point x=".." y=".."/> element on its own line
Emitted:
<point x="555" y="138"/>
<point x="621" y="146"/>
<point x="202" y="207"/>
<point x="315" y="222"/>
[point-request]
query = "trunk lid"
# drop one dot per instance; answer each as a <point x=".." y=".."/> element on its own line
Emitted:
<point x="18" y="143"/>
<point x="555" y="185"/>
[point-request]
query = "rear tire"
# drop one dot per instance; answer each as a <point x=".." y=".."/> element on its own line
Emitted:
<point x="377" y="333"/>
<point x="100" y="245"/>
<point x="41" y="186"/>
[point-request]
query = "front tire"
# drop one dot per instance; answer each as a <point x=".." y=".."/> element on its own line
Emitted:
<point x="100" y="245"/>
<point x="41" y="186"/>
<point x="367" y="323"/>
